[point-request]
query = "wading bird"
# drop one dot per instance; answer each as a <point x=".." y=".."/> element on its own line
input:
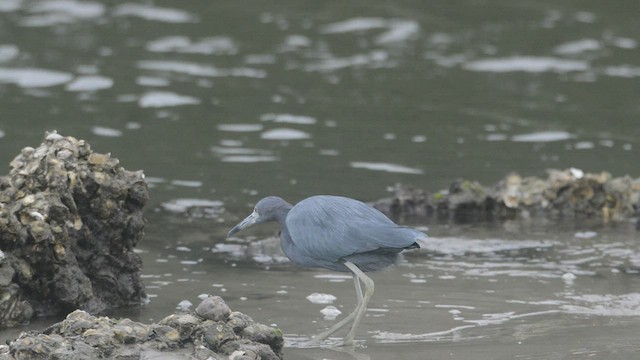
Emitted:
<point x="340" y="234"/>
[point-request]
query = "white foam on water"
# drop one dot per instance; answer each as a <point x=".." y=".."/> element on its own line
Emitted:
<point x="387" y="167"/>
<point x="452" y="306"/>
<point x="217" y="45"/>
<point x="187" y="183"/>
<point x="625" y="71"/>
<point x="236" y="250"/>
<point x="568" y="278"/>
<point x="243" y="155"/>
<point x="288" y="118"/>
<point x="151" y="81"/>
<point x="625" y="43"/>
<point x="154" y="13"/>
<point x="54" y="12"/>
<point x="33" y="77"/>
<point x="333" y="277"/>
<point x="296" y="40"/>
<point x="240" y="127"/>
<point x="375" y="58"/>
<point x="166" y="99"/>
<point x="320" y="298"/>
<point x="399" y="31"/>
<point x="585" y="234"/>
<point x="354" y="24"/>
<point x="543" y="136"/>
<point x="184" y="305"/>
<point x="577" y="47"/>
<point x="460" y="246"/>
<point x="284" y="134"/>
<point x="10" y="5"/>
<point x="583" y="145"/>
<point x="604" y="304"/>
<point x="84" y="9"/>
<point x="531" y="64"/>
<point x="8" y="52"/>
<point x="189" y="68"/>
<point x="183" y="204"/>
<point x="330" y="312"/>
<point x="248" y="158"/>
<point x="89" y="83"/>
<point x="106" y="131"/>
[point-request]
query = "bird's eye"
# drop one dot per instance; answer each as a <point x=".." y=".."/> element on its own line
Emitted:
<point x="255" y="210"/>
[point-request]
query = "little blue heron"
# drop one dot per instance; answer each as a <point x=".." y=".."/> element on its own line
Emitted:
<point x="340" y="234"/>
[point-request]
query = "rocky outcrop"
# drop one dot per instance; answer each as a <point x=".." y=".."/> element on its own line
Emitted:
<point x="213" y="331"/>
<point x="69" y="219"/>
<point x="563" y="194"/>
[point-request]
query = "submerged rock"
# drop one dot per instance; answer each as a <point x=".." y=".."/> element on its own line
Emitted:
<point x="568" y="193"/>
<point x="185" y="335"/>
<point x="69" y="219"/>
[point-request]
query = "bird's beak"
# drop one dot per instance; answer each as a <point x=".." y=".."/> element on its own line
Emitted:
<point x="248" y="221"/>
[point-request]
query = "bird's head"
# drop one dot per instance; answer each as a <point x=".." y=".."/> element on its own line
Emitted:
<point x="267" y="209"/>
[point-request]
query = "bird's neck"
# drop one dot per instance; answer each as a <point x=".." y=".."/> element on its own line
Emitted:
<point x="281" y="213"/>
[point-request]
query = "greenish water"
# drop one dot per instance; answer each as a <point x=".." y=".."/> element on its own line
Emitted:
<point x="221" y="103"/>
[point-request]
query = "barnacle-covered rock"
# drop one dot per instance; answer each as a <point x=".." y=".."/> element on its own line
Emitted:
<point x="69" y="219"/>
<point x="84" y="336"/>
<point x="564" y="193"/>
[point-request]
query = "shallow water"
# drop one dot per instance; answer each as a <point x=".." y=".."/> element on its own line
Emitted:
<point x="476" y="291"/>
<point x="222" y="104"/>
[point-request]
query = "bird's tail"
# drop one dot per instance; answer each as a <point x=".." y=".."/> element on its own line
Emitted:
<point x="423" y="241"/>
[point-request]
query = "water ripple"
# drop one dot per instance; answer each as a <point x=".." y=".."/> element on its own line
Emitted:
<point x="387" y="167"/>
<point x="217" y="45"/>
<point x="154" y="13"/>
<point x="165" y="98"/>
<point x="33" y="77"/>
<point x="194" y="69"/>
<point x="531" y="64"/>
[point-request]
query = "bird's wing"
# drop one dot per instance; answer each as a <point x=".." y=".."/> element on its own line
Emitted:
<point x="332" y="227"/>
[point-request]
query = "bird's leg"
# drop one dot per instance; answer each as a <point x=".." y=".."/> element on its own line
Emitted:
<point x="362" y="306"/>
<point x="356" y="282"/>
<point x="339" y="325"/>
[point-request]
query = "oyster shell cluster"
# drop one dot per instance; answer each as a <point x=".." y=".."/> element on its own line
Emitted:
<point x="69" y="219"/>
<point x="213" y="331"/>
<point x="569" y="193"/>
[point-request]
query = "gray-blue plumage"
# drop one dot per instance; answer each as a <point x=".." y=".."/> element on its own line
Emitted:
<point x="339" y="234"/>
<point x="324" y="231"/>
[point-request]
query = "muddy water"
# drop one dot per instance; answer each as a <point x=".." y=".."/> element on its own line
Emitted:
<point x="221" y="104"/>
